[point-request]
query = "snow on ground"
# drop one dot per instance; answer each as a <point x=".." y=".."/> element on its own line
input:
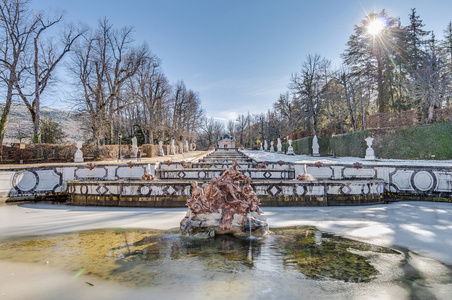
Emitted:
<point x="261" y="156"/>
<point x="423" y="227"/>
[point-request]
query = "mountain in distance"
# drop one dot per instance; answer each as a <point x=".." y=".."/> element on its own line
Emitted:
<point x="20" y="124"/>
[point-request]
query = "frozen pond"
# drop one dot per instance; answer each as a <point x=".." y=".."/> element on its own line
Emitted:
<point x="48" y="251"/>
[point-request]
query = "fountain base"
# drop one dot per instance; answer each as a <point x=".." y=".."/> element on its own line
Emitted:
<point x="209" y="225"/>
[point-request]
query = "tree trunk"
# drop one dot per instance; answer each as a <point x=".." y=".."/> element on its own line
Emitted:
<point x="5" y="113"/>
<point x="380" y="98"/>
<point x="37" y="110"/>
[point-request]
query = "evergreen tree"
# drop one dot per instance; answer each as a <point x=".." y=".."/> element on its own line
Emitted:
<point x="370" y="50"/>
<point x="446" y="49"/>
<point x="430" y="81"/>
<point x="416" y="40"/>
<point x="51" y="132"/>
<point x="447" y="43"/>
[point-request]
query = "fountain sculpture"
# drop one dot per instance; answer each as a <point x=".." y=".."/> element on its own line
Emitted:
<point x="224" y="207"/>
<point x="78" y="156"/>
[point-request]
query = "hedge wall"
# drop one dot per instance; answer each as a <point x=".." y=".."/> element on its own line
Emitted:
<point x="350" y="144"/>
<point x="415" y="142"/>
<point x="37" y="153"/>
<point x="304" y="146"/>
<point x="423" y="142"/>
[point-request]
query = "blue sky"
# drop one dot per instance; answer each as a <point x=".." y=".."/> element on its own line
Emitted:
<point x="239" y="55"/>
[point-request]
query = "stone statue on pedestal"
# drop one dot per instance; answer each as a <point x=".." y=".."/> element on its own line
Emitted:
<point x="161" y="153"/>
<point x="279" y="146"/>
<point x="78" y="156"/>
<point x="290" y="149"/>
<point x="181" y="148"/>
<point x="134" y="147"/>
<point x="370" y="153"/>
<point x="172" y="148"/>
<point x="315" y="146"/>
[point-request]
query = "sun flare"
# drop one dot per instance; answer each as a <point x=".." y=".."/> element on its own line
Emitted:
<point x="375" y="26"/>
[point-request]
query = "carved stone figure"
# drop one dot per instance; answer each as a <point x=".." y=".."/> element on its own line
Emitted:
<point x="279" y="146"/>
<point x="185" y="164"/>
<point x="272" y="147"/>
<point x="134" y="151"/>
<point x="213" y="194"/>
<point x="290" y="149"/>
<point x="197" y="203"/>
<point x="223" y="207"/>
<point x="181" y="148"/>
<point x="262" y="165"/>
<point x="305" y="176"/>
<point x="315" y="146"/>
<point x="172" y="148"/>
<point x="370" y="153"/>
<point x="161" y="153"/>
<point x="251" y="199"/>
<point x="148" y="174"/>
<point x="78" y="156"/>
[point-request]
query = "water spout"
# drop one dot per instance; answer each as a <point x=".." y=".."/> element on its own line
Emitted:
<point x="249" y="221"/>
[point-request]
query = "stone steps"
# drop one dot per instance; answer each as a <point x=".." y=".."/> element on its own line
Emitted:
<point x="275" y="185"/>
<point x="207" y="174"/>
<point x="216" y="163"/>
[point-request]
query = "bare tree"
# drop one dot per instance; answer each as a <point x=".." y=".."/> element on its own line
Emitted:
<point x="103" y="62"/>
<point x="212" y="130"/>
<point x="429" y="85"/>
<point x="187" y="112"/>
<point x="240" y="127"/>
<point x="150" y="91"/>
<point x="231" y="128"/>
<point x="17" y="27"/>
<point x="308" y="85"/>
<point x="43" y="60"/>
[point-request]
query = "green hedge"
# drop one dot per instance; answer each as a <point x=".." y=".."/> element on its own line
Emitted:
<point x="415" y="142"/>
<point x="350" y="144"/>
<point x="397" y="143"/>
<point x="304" y="146"/>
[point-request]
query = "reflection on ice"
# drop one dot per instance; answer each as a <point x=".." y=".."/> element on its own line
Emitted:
<point x="148" y="258"/>
<point x="116" y="262"/>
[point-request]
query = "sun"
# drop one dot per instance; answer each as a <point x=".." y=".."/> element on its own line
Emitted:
<point x="375" y="26"/>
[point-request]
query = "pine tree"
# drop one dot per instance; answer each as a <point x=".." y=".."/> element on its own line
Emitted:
<point x="447" y="43"/>
<point x="446" y="49"/>
<point x="416" y="40"/>
<point x="372" y="51"/>
<point x="51" y="131"/>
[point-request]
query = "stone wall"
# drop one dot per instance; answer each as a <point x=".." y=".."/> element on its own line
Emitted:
<point x="170" y="193"/>
<point x="420" y="182"/>
<point x="31" y="182"/>
<point x="414" y="181"/>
